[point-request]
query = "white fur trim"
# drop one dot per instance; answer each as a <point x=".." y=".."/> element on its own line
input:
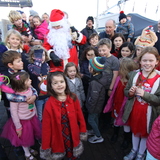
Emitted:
<point x="57" y="23"/>
<point x="49" y="52"/>
<point x="79" y="38"/>
<point x="77" y="151"/>
<point x="83" y="136"/>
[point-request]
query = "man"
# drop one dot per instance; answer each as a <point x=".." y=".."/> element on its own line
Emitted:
<point x="109" y="32"/>
<point x="157" y="44"/>
<point x="61" y="40"/>
<point x="87" y="31"/>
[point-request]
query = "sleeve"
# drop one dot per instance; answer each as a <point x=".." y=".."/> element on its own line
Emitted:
<point x="34" y="91"/>
<point x="130" y="30"/>
<point x="82" y="91"/>
<point x="81" y="39"/>
<point x="46" y="45"/>
<point x="118" y="29"/>
<point x="14" y="115"/>
<point x="15" y="97"/>
<point x="115" y="64"/>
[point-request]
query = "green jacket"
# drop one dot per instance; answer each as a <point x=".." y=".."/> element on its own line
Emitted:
<point x="153" y="99"/>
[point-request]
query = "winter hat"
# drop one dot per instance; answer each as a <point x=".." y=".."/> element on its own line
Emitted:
<point x="90" y="18"/>
<point x="33" y="13"/>
<point x="97" y="63"/>
<point x="122" y="15"/>
<point x="56" y="17"/>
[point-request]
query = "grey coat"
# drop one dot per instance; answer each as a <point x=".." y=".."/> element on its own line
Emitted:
<point x="153" y="99"/>
<point x="77" y="88"/>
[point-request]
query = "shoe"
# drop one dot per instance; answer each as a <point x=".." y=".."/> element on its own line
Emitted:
<point x="140" y="156"/>
<point x="96" y="139"/>
<point x="90" y="132"/>
<point x="30" y="158"/>
<point x="131" y="155"/>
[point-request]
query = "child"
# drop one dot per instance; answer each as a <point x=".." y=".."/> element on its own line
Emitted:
<point x="63" y="123"/>
<point x="41" y="27"/>
<point x="74" y="81"/>
<point x="143" y="101"/>
<point x="89" y="53"/>
<point x="95" y="97"/>
<point x="125" y="27"/>
<point x="93" y="40"/>
<point x="117" y="40"/>
<point x="24" y="124"/>
<point x="126" y="50"/>
<point x="45" y="16"/>
<point x="117" y="99"/>
<point x="38" y="69"/>
<point x="153" y="140"/>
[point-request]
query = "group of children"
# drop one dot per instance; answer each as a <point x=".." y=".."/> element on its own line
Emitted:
<point x="109" y="79"/>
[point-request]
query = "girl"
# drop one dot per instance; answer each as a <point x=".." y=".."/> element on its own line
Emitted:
<point x="41" y="27"/>
<point x="126" y="50"/>
<point x="143" y="94"/>
<point x="24" y="124"/>
<point x="74" y="81"/>
<point x="63" y="123"/>
<point x="38" y="69"/>
<point x="117" y="100"/>
<point x="117" y="40"/>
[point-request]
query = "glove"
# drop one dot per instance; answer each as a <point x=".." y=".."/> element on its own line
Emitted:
<point x="74" y="33"/>
<point x="55" y="59"/>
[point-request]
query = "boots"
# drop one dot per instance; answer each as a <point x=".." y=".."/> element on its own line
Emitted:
<point x="115" y="134"/>
<point x="126" y="140"/>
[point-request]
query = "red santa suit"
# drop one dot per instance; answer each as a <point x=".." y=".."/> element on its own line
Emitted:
<point x="60" y="40"/>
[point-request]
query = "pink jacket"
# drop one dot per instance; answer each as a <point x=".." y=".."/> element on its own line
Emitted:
<point x="153" y="141"/>
<point x="41" y="30"/>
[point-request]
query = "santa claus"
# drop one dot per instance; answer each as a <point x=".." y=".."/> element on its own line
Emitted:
<point x="61" y="40"/>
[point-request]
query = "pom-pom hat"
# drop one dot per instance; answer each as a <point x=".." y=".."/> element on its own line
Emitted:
<point x="97" y="63"/>
<point x="122" y="15"/>
<point x="56" y="17"/>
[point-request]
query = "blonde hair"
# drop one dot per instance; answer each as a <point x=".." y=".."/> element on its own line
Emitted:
<point x="17" y="34"/>
<point x="14" y="16"/>
<point x="32" y="50"/>
<point x="105" y="41"/>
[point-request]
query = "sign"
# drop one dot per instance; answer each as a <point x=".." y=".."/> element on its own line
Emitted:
<point x="16" y="3"/>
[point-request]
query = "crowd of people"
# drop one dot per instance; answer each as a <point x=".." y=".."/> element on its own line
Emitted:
<point x="59" y="85"/>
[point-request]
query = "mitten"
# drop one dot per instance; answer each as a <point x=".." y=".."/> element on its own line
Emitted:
<point x="74" y="33"/>
<point x="55" y="59"/>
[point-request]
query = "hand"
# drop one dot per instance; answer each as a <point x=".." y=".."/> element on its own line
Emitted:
<point x="55" y="59"/>
<point x="19" y="133"/>
<point x="31" y="99"/>
<point x="139" y="92"/>
<point x="132" y="91"/>
<point x="74" y="33"/>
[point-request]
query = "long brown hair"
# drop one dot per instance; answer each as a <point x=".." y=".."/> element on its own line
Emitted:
<point x="51" y="92"/>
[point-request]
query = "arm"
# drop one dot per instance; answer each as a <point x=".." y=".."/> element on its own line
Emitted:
<point x="130" y="30"/>
<point x="82" y="91"/>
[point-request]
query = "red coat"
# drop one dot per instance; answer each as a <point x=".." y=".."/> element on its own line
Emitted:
<point x="51" y="124"/>
<point x="73" y="51"/>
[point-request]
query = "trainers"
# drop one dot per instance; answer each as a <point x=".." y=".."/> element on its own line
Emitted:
<point x="131" y="155"/>
<point x="90" y="132"/>
<point x="96" y="139"/>
<point x="140" y="156"/>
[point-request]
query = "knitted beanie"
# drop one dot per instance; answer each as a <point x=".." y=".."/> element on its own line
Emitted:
<point x="97" y="63"/>
<point x="90" y="18"/>
<point x="122" y="15"/>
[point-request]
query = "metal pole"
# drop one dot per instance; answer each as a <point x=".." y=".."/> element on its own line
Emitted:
<point x="97" y="16"/>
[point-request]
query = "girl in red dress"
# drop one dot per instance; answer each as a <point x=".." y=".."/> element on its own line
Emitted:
<point x="143" y="94"/>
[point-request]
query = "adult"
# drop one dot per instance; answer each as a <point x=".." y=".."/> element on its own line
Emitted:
<point x="61" y="40"/>
<point x="87" y="31"/>
<point x="109" y="32"/>
<point x="157" y="44"/>
<point x="45" y="16"/>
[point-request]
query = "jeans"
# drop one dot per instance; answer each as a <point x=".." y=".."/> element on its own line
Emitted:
<point x="149" y="156"/>
<point x="93" y="121"/>
<point x="39" y="105"/>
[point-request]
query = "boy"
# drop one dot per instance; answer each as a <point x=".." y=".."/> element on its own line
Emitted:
<point x="95" y="97"/>
<point x="125" y="27"/>
<point x="93" y="39"/>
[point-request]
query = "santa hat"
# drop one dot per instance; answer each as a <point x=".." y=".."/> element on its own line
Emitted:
<point x="122" y="15"/>
<point x="56" y="17"/>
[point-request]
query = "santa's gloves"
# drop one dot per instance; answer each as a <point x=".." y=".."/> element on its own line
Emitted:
<point x="74" y="33"/>
<point x="55" y="59"/>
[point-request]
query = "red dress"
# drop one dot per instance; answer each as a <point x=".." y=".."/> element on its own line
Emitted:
<point x="138" y="116"/>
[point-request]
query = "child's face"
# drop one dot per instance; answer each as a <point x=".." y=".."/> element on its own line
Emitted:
<point x="28" y="83"/>
<point x="104" y="51"/>
<point x="90" y="54"/>
<point x="123" y="20"/>
<point x="45" y="17"/>
<point x="148" y="62"/>
<point x="18" y="23"/>
<point x="138" y="51"/>
<point x="93" y="41"/>
<point x="118" y="41"/>
<point x="14" y="41"/>
<point x="125" y="52"/>
<point x="36" y="22"/>
<point x="71" y="72"/>
<point x="16" y="65"/>
<point x="58" y="85"/>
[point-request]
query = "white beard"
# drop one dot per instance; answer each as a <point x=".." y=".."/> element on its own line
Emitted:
<point x="60" y="40"/>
